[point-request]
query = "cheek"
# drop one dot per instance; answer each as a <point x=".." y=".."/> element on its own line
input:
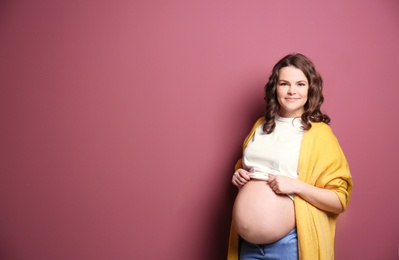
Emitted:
<point x="280" y="93"/>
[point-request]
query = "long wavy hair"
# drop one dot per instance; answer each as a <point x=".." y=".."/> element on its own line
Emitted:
<point x="315" y="96"/>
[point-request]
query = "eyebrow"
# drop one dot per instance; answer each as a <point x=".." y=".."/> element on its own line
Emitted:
<point x="305" y="81"/>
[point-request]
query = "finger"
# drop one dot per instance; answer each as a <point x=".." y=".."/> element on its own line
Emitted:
<point x="275" y="189"/>
<point x="239" y="186"/>
<point x="238" y="180"/>
<point x="244" y="174"/>
<point x="242" y="181"/>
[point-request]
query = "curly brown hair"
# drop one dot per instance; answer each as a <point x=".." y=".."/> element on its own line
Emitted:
<point x="315" y="96"/>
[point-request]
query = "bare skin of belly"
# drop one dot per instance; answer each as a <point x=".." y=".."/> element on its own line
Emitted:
<point x="261" y="216"/>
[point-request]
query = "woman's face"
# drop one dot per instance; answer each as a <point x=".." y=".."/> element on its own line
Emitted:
<point x="292" y="92"/>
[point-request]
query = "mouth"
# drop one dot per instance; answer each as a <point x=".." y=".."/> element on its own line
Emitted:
<point x="291" y="99"/>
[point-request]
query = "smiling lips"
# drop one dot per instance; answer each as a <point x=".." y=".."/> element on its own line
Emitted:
<point x="291" y="99"/>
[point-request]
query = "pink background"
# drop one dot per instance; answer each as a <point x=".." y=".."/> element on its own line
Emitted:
<point x="121" y="120"/>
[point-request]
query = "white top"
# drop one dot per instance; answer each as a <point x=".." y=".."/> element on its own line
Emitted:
<point x="276" y="153"/>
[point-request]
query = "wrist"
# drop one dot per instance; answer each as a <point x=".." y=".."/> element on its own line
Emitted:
<point x="299" y="188"/>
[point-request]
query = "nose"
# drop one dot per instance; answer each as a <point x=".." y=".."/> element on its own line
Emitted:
<point x="291" y="90"/>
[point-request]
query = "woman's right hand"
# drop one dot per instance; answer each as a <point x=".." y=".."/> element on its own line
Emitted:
<point x="240" y="178"/>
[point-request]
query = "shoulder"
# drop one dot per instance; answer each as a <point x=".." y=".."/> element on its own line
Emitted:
<point x="321" y="136"/>
<point x="320" y="133"/>
<point x="259" y="121"/>
<point x="320" y="128"/>
<point x="257" y="124"/>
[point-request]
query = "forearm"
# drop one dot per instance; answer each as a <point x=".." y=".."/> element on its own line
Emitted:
<point x="323" y="199"/>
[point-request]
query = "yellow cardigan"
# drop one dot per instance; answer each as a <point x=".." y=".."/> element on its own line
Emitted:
<point x="322" y="164"/>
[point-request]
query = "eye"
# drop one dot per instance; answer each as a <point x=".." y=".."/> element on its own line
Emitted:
<point x="301" y="84"/>
<point x="283" y="84"/>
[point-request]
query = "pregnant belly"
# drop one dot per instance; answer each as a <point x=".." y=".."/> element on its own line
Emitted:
<point x="261" y="216"/>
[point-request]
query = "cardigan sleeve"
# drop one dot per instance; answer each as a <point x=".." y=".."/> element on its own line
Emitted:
<point x="335" y="173"/>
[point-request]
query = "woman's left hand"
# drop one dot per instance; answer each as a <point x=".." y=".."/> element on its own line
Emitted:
<point x="282" y="184"/>
<point x="321" y="198"/>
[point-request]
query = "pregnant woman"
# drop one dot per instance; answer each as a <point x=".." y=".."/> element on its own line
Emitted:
<point x="293" y="178"/>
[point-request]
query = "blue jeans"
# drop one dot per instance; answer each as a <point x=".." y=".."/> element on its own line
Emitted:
<point x="286" y="248"/>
